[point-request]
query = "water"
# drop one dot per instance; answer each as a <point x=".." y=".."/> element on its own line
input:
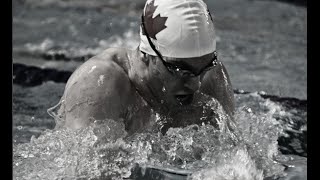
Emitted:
<point x="102" y="151"/>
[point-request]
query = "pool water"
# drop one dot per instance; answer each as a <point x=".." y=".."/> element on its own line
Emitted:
<point x="246" y="149"/>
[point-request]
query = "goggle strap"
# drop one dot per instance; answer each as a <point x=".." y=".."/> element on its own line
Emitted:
<point x="149" y="40"/>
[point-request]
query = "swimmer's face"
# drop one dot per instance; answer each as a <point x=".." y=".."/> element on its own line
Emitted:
<point x="175" y="80"/>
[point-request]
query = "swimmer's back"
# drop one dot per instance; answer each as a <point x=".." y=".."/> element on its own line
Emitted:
<point x="99" y="89"/>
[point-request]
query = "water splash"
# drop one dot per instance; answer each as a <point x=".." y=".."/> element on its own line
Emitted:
<point x="243" y="149"/>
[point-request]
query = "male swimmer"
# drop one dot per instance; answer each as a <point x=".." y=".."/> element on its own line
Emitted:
<point x="175" y="62"/>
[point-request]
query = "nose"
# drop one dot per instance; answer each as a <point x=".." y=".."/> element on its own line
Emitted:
<point x="192" y="83"/>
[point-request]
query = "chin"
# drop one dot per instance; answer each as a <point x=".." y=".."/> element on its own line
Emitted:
<point x="179" y="101"/>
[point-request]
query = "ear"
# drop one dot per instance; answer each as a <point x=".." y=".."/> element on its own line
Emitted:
<point x="152" y="58"/>
<point x="145" y="58"/>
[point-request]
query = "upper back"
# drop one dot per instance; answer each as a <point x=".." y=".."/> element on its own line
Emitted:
<point x="100" y="88"/>
<point x="109" y="62"/>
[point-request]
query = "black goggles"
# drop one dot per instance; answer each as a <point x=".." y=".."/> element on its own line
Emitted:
<point x="179" y="69"/>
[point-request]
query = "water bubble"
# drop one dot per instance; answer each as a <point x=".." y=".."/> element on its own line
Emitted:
<point x="215" y="63"/>
<point x="158" y="118"/>
<point x="164" y="89"/>
<point x="19" y="127"/>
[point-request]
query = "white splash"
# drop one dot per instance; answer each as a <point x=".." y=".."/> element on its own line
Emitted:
<point x="225" y="77"/>
<point x="100" y="80"/>
<point x="164" y="89"/>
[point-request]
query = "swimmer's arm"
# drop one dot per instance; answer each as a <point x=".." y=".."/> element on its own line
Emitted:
<point x="217" y="84"/>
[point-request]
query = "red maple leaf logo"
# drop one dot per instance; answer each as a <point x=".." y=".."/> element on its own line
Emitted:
<point x="153" y="25"/>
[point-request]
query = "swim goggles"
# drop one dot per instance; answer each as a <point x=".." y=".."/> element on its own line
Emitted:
<point x="179" y="69"/>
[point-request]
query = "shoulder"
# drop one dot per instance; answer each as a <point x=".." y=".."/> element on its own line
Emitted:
<point x="111" y="62"/>
<point x="217" y="76"/>
<point x="217" y="84"/>
<point x="118" y="56"/>
<point x="105" y="73"/>
<point x="99" y="88"/>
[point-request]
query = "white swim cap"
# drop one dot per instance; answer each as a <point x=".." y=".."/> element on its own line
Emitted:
<point x="177" y="28"/>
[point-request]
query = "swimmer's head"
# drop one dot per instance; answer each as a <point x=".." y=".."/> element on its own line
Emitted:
<point x="177" y="29"/>
<point x="178" y="37"/>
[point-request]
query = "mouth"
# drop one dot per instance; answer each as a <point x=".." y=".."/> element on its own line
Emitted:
<point x="184" y="99"/>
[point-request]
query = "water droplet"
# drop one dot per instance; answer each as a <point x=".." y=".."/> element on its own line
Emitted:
<point x="164" y="89"/>
<point x="158" y="118"/>
<point x="262" y="93"/>
<point x="215" y="63"/>
<point x="24" y="155"/>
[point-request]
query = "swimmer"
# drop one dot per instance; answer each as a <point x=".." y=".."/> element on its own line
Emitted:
<point x="175" y="62"/>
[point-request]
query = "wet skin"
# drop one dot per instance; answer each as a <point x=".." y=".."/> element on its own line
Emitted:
<point x="172" y="90"/>
<point x="128" y="85"/>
